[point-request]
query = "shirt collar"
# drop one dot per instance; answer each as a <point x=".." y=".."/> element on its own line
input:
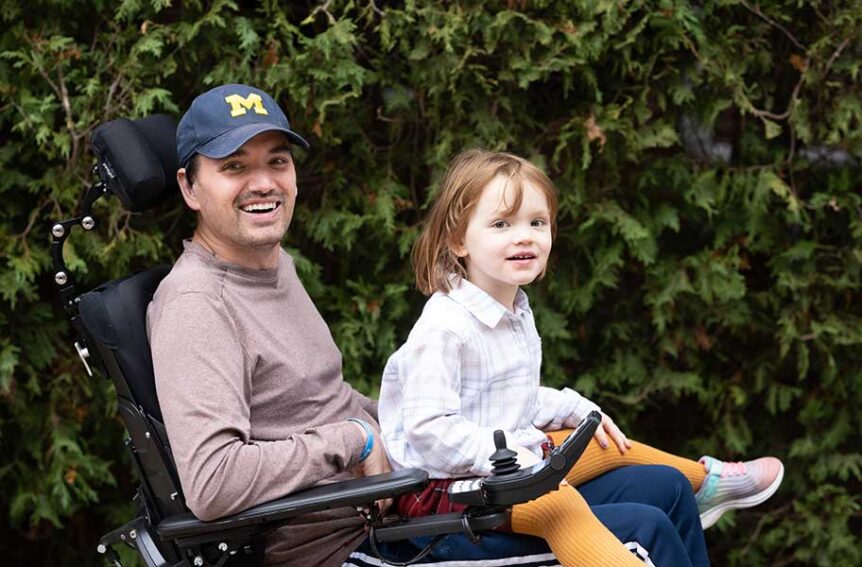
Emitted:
<point x="481" y="305"/>
<point x="263" y="276"/>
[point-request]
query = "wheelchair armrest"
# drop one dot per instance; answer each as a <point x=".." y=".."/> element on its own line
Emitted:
<point x="509" y="487"/>
<point x="354" y="492"/>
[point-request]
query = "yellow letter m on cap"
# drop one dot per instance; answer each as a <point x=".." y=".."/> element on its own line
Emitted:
<point x="240" y="104"/>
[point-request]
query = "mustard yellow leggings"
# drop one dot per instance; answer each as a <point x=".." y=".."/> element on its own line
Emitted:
<point x="561" y="513"/>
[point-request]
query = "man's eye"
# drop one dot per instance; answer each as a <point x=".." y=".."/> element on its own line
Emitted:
<point x="232" y="166"/>
<point x="279" y="161"/>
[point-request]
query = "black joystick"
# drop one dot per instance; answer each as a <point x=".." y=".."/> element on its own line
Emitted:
<point x="504" y="459"/>
<point x="509" y="484"/>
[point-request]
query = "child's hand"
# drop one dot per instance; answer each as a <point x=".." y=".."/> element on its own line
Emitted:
<point x="609" y="428"/>
<point x="526" y="458"/>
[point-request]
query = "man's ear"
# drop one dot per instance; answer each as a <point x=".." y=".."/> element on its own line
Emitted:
<point x="188" y="191"/>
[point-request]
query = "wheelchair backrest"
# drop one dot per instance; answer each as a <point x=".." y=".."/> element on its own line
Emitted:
<point x="114" y="316"/>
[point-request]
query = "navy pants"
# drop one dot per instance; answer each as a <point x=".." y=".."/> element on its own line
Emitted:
<point x="650" y="508"/>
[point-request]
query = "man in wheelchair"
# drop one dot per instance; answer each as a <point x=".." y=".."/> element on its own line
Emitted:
<point x="248" y="377"/>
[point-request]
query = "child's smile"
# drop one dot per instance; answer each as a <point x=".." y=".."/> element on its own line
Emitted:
<point x="523" y="259"/>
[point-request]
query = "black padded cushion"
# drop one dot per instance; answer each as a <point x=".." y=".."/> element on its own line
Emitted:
<point x="138" y="159"/>
<point x="115" y="315"/>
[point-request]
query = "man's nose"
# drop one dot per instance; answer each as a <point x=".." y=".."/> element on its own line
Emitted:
<point x="261" y="181"/>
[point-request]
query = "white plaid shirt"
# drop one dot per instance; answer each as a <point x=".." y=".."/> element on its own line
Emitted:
<point x="469" y="366"/>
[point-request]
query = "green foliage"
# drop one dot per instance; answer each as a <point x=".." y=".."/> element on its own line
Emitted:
<point x="705" y="281"/>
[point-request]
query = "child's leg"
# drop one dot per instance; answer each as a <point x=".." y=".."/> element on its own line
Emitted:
<point x="719" y="486"/>
<point x="596" y="460"/>
<point x="564" y="520"/>
<point x="647" y="532"/>
<point x="660" y="488"/>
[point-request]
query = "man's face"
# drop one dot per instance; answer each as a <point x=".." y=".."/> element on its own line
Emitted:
<point x="244" y="201"/>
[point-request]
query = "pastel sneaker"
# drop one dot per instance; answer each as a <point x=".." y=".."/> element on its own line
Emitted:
<point x="736" y="485"/>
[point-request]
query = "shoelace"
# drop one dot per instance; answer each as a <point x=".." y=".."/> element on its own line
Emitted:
<point x="733" y="469"/>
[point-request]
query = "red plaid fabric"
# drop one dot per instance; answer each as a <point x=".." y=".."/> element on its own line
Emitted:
<point x="434" y="499"/>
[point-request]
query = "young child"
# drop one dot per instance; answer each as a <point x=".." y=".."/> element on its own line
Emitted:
<point x="472" y="364"/>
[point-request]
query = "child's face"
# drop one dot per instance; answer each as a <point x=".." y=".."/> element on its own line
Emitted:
<point x="503" y="251"/>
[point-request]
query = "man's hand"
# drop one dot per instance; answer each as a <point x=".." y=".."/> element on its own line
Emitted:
<point x="609" y="428"/>
<point x="376" y="463"/>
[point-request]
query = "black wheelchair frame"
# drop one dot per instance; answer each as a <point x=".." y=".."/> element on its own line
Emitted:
<point x="136" y="163"/>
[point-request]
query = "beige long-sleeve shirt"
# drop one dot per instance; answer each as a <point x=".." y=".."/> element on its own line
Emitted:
<point x="250" y="387"/>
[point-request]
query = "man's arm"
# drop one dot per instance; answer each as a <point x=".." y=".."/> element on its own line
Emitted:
<point x="204" y="388"/>
<point x="367" y="404"/>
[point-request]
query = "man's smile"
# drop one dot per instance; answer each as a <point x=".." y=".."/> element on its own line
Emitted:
<point x="260" y="207"/>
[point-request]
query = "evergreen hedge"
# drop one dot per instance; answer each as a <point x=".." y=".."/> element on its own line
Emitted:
<point x="705" y="280"/>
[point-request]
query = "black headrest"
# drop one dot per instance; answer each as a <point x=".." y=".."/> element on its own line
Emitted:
<point x="138" y="159"/>
<point x="115" y="314"/>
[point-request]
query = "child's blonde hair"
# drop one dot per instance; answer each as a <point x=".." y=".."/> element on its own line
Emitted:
<point x="468" y="174"/>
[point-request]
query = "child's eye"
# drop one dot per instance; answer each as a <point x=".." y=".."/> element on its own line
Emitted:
<point x="499" y="224"/>
<point x="538" y="222"/>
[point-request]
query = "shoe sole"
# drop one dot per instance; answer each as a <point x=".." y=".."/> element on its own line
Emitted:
<point x="711" y="516"/>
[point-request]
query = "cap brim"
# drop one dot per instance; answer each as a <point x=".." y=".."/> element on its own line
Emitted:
<point x="232" y="140"/>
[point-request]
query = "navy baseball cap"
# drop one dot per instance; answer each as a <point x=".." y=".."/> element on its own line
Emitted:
<point x="224" y="118"/>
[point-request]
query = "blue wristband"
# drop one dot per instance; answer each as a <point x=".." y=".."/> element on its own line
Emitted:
<point x="369" y="438"/>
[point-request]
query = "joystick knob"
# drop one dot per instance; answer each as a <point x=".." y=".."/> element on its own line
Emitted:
<point x="504" y="459"/>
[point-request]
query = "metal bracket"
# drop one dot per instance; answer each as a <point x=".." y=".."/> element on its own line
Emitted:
<point x="84" y="354"/>
<point x="59" y="233"/>
<point x="136" y="534"/>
